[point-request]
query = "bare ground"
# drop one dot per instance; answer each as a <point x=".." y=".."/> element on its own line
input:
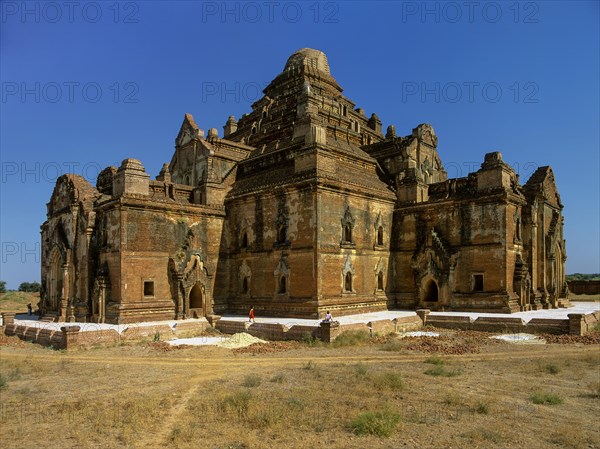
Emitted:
<point x="461" y="391"/>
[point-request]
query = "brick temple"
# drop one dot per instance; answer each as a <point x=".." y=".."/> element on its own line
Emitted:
<point x="301" y="206"/>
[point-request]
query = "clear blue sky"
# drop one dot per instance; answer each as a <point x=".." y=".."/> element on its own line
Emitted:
<point x="86" y="86"/>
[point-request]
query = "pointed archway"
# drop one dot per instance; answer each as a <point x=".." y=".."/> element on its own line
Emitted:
<point x="431" y="293"/>
<point x="54" y="289"/>
<point x="197" y="305"/>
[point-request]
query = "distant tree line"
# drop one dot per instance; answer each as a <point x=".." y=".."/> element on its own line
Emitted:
<point x="583" y="277"/>
<point x="30" y="287"/>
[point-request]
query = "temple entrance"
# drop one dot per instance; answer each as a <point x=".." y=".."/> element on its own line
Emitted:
<point x="197" y="300"/>
<point x="431" y="291"/>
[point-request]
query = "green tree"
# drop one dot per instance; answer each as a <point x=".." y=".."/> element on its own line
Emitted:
<point x="2" y="286"/>
<point x="30" y="286"/>
<point x="583" y="277"/>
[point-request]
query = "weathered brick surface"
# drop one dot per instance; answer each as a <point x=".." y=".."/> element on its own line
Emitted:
<point x="581" y="324"/>
<point x="547" y="326"/>
<point x="451" y="322"/>
<point x="162" y="331"/>
<point x="408" y="324"/>
<point x="231" y="327"/>
<point x="268" y="331"/>
<point x="499" y="324"/>
<point x="190" y="328"/>
<point x="300" y="332"/>
<point x="584" y="287"/>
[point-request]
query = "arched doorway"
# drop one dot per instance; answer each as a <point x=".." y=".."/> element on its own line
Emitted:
<point x="197" y="299"/>
<point x="348" y="282"/>
<point x="282" y="284"/>
<point x="431" y="291"/>
<point x="282" y="235"/>
<point x="348" y="233"/>
<point x="380" y="281"/>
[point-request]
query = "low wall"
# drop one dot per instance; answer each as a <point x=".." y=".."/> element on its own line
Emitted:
<point x="584" y="287"/>
<point x="404" y="324"/>
<point x="450" y="322"/>
<point x="231" y="327"/>
<point x="408" y="324"/>
<point x="71" y="336"/>
<point x="575" y="324"/>
<point x="68" y="337"/>
<point x="269" y="331"/>
<point x="548" y="326"/>
<point x="580" y="324"/>
<point x="300" y="332"/>
<point x="276" y="331"/>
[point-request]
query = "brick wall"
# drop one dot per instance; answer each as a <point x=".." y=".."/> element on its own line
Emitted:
<point x="584" y="287"/>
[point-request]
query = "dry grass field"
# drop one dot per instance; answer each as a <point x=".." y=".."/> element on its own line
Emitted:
<point x="462" y="390"/>
<point x="574" y="297"/>
<point x="17" y="301"/>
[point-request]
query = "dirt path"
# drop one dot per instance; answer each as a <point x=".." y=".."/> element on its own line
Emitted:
<point x="162" y="437"/>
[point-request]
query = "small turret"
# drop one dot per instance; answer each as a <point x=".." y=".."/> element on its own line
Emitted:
<point x="165" y="174"/>
<point x="495" y="173"/>
<point x="390" y="132"/>
<point x="213" y="133"/>
<point x="374" y="123"/>
<point x="131" y="178"/>
<point x="230" y="126"/>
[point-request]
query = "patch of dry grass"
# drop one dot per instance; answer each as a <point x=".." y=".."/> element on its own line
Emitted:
<point x="545" y="398"/>
<point x="439" y="368"/>
<point x="484" y="435"/>
<point x="252" y="380"/>
<point x="551" y="368"/>
<point x="568" y="437"/>
<point x="594" y="388"/>
<point x="574" y="297"/>
<point x="389" y="380"/>
<point x="393" y="345"/>
<point x="17" y="301"/>
<point x="351" y="338"/>
<point x="381" y="423"/>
